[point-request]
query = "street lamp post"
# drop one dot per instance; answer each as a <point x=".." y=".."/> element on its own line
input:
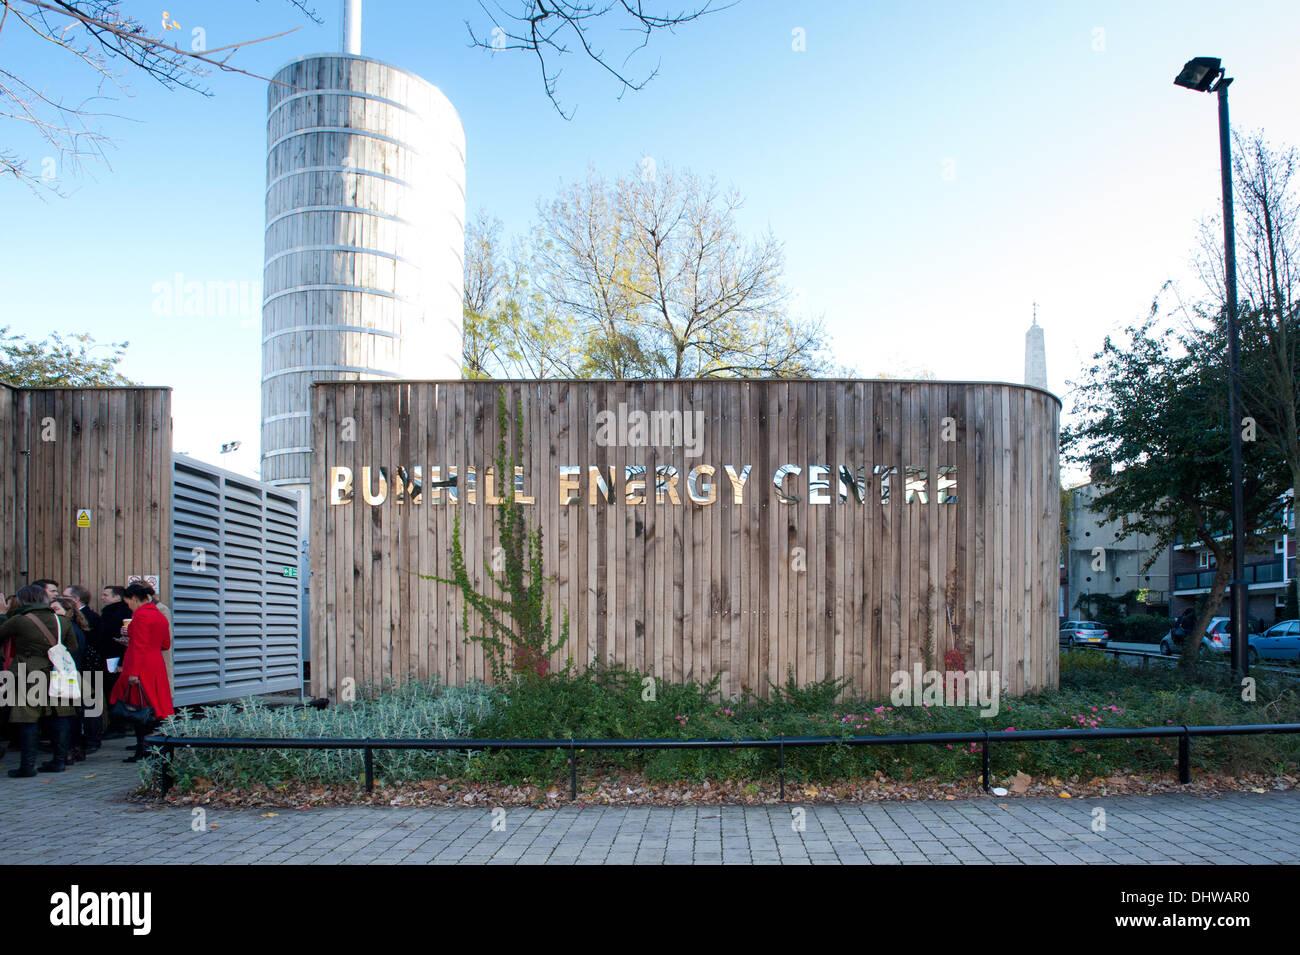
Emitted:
<point x="1205" y="74"/>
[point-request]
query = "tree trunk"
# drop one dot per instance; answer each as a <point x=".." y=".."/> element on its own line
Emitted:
<point x="1192" y="642"/>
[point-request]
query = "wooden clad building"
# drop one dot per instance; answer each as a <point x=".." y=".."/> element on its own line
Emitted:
<point x="85" y="484"/>
<point x="846" y="528"/>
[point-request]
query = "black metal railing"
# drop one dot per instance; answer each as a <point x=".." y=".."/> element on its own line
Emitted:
<point x="1173" y="658"/>
<point x="987" y="739"/>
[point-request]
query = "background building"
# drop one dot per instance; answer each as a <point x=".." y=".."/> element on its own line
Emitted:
<point x="1270" y="565"/>
<point x="1099" y="560"/>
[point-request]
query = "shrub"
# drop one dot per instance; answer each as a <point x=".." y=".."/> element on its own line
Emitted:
<point x="415" y="709"/>
<point x="1146" y="628"/>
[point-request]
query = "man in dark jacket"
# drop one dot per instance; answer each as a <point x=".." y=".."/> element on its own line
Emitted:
<point x="82" y="596"/>
<point x="87" y="736"/>
<point x="108" y="638"/>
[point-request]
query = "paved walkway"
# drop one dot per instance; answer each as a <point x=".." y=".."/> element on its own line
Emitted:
<point x="100" y="827"/>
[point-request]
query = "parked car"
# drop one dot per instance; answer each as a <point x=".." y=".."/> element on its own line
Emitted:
<point x="1279" y="642"/>
<point x="1083" y="633"/>
<point x="1218" y="638"/>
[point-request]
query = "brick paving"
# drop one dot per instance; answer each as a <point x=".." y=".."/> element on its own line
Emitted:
<point x="99" y="826"/>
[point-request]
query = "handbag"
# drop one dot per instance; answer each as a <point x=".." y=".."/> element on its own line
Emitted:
<point x="128" y="712"/>
<point x="65" y="682"/>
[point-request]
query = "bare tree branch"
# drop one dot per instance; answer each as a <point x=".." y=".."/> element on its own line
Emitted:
<point x="545" y="27"/>
<point x="97" y="33"/>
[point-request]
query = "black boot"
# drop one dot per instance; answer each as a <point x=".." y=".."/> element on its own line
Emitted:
<point x="94" y="733"/>
<point x="140" y="733"/>
<point x="27" y="750"/>
<point x="60" y="731"/>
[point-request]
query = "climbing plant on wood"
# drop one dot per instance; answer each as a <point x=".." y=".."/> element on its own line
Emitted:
<point x="516" y="627"/>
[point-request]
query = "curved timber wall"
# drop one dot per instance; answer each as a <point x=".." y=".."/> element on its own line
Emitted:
<point x="910" y="518"/>
<point x="365" y="212"/>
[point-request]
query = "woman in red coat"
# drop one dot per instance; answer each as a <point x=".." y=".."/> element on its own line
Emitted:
<point x="143" y="669"/>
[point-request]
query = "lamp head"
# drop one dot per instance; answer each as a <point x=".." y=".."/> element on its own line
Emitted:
<point x="1200" y="73"/>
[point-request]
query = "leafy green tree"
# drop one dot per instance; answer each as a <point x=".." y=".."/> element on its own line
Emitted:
<point x="74" y="360"/>
<point x="517" y="632"/>
<point x="1159" y="413"/>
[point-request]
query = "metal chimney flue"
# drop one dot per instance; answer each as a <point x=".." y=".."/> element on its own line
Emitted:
<point x="350" y="32"/>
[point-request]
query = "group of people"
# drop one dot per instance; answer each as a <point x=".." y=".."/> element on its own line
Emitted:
<point x="120" y="647"/>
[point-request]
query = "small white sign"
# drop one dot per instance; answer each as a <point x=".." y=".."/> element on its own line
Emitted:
<point x="151" y="580"/>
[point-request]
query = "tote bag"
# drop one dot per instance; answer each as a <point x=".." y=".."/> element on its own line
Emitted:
<point x="65" y="683"/>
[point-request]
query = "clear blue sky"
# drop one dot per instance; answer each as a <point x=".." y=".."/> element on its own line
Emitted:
<point x="932" y="169"/>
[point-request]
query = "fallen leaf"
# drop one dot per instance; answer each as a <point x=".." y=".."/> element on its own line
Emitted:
<point x="1064" y="795"/>
<point x="269" y="815"/>
<point x="1020" y="783"/>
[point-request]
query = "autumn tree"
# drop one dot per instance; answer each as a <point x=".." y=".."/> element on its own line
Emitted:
<point x="57" y="360"/>
<point x="647" y="277"/>
<point x="510" y="328"/>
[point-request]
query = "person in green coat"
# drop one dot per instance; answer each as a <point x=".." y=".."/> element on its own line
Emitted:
<point x="23" y="640"/>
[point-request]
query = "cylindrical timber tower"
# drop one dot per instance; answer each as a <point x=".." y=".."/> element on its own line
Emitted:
<point x="365" y="237"/>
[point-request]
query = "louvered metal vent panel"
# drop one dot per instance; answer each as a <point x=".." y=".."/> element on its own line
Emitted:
<point x="235" y="615"/>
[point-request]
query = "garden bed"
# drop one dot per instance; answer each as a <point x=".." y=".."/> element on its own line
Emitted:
<point x="618" y="704"/>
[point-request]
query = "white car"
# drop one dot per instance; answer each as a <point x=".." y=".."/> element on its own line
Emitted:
<point x="1083" y="633"/>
